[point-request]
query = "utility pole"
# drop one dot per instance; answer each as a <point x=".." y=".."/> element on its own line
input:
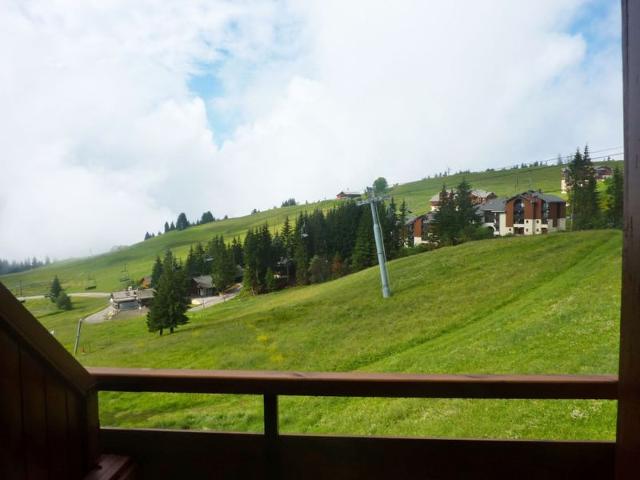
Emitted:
<point x="377" y="233"/>
<point x="75" y="347"/>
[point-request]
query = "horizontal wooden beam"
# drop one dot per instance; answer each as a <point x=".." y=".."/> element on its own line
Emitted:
<point x="242" y="455"/>
<point x="357" y="384"/>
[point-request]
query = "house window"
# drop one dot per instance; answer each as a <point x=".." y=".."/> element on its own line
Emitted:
<point x="489" y="217"/>
<point x="545" y="212"/>
<point x="518" y="211"/>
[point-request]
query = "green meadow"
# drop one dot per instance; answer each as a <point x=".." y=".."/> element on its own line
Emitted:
<point x="546" y="304"/>
<point x="106" y="269"/>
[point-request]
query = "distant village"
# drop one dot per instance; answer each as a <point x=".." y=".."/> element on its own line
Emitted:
<point x="326" y="244"/>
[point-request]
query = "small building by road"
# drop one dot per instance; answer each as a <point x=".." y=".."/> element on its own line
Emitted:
<point x="345" y="195"/>
<point x="202" y="286"/>
<point x="132" y="299"/>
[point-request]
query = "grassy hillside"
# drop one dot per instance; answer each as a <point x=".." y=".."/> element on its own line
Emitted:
<point x="546" y="304"/>
<point x="106" y="269"/>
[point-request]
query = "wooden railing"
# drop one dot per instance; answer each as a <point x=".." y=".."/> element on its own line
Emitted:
<point x="282" y="453"/>
<point x="271" y="384"/>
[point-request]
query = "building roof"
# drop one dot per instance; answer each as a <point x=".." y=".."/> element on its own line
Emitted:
<point x="123" y="296"/>
<point x="542" y="196"/>
<point x="145" y="293"/>
<point x="494" y="205"/>
<point x="203" y="281"/>
<point x="436" y="197"/>
<point x="349" y="193"/>
<point x="481" y="193"/>
<point x="132" y="295"/>
<point x="410" y="220"/>
<point x="475" y="192"/>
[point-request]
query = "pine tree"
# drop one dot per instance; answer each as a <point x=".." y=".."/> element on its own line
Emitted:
<point x="614" y="199"/>
<point x="182" y="223"/>
<point x="444" y="229"/>
<point x="170" y="302"/>
<point x="249" y="250"/>
<point x="402" y="220"/>
<point x="364" y="251"/>
<point x="337" y="266"/>
<point x="236" y="249"/>
<point x="191" y="265"/>
<point x="172" y="226"/>
<point x="156" y="272"/>
<point x="166" y="227"/>
<point x="207" y="217"/>
<point x="63" y="301"/>
<point x="287" y="238"/>
<point x="147" y="236"/>
<point x="269" y="281"/>
<point x="585" y="210"/>
<point x="380" y="185"/>
<point x="467" y="217"/>
<point x="301" y="249"/>
<point x="318" y="269"/>
<point x="55" y="289"/>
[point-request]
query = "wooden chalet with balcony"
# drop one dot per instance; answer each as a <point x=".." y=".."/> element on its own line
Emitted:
<point x="528" y="213"/>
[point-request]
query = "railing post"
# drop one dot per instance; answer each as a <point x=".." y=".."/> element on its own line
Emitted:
<point x="271" y="434"/>
<point x="270" y="417"/>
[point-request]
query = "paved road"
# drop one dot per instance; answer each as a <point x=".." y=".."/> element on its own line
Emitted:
<point x="76" y="294"/>
<point x="207" y="302"/>
<point x="101" y="316"/>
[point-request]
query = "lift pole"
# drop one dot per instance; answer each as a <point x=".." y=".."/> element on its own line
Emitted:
<point x="75" y="347"/>
<point x="377" y="233"/>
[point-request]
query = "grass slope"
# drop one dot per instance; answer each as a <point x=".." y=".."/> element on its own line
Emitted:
<point x="546" y="304"/>
<point x="106" y="269"/>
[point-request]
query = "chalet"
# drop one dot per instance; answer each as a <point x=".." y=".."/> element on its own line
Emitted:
<point x="202" y="286"/>
<point x="132" y="299"/>
<point x="602" y="172"/>
<point x="418" y="228"/>
<point x="528" y="213"/>
<point x="345" y="195"/>
<point x="478" y="197"/>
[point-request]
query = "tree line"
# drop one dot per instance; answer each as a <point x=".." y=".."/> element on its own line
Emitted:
<point x="7" y="266"/>
<point x="588" y="210"/>
<point x="58" y="296"/>
<point x="456" y="220"/>
<point x="182" y="223"/>
<point x="320" y="246"/>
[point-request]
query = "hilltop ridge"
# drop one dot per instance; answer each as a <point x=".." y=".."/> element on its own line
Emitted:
<point x="135" y="261"/>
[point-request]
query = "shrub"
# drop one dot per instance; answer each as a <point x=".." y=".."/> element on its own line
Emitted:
<point x="63" y="301"/>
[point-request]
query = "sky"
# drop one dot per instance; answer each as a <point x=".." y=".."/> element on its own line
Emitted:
<point x="116" y="116"/>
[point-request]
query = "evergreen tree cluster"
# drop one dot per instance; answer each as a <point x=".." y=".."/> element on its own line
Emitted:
<point x="614" y="194"/>
<point x="588" y="210"/>
<point x="171" y="301"/>
<point x="217" y="259"/>
<point x="290" y="202"/>
<point x="182" y="223"/>
<point x="456" y="220"/>
<point x="583" y="196"/>
<point x="15" y="267"/>
<point x="58" y="296"/>
<point x="320" y="246"/>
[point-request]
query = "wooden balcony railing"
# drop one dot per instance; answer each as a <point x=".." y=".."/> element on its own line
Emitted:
<point x="271" y="384"/>
<point x="287" y="456"/>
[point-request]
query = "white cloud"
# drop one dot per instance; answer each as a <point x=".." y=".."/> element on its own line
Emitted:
<point x="326" y="95"/>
